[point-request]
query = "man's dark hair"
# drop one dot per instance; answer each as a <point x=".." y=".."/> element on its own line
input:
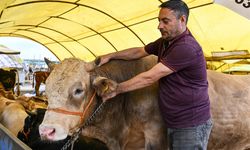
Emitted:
<point x="178" y="6"/>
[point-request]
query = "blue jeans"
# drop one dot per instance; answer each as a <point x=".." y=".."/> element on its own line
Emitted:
<point x="192" y="138"/>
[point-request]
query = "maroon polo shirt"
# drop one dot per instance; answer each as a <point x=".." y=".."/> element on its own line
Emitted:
<point x="183" y="95"/>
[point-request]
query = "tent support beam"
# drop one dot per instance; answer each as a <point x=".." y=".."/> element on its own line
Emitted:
<point x="61" y="34"/>
<point x="48" y="38"/>
<point x="91" y="30"/>
<point x="213" y="58"/>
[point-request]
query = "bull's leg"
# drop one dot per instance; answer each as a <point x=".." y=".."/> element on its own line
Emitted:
<point x="155" y="137"/>
<point x="99" y="134"/>
<point x="113" y="145"/>
<point x="37" y="88"/>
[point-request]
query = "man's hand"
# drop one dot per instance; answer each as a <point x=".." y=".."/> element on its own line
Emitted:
<point x="109" y="95"/>
<point x="104" y="59"/>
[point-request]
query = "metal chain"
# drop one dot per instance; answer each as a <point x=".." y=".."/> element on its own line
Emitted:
<point x="76" y="135"/>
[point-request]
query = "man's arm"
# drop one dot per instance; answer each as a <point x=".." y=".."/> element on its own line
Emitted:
<point x="127" y="54"/>
<point x="140" y="81"/>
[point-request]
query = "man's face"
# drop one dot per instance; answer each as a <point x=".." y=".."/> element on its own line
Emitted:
<point x="169" y="25"/>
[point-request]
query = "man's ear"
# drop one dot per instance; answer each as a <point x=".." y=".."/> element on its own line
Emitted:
<point x="104" y="85"/>
<point x="183" y="19"/>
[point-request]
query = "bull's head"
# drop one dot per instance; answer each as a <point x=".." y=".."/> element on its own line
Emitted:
<point x="69" y="91"/>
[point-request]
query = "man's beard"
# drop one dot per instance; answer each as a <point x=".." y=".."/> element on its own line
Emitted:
<point x="168" y="36"/>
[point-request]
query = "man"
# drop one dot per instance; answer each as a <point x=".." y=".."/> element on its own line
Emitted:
<point x="181" y="71"/>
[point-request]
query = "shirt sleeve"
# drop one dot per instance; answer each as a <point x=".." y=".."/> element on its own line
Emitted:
<point x="181" y="56"/>
<point x="154" y="47"/>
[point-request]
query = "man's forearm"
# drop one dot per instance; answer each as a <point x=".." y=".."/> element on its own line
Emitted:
<point x="140" y="81"/>
<point x="144" y="79"/>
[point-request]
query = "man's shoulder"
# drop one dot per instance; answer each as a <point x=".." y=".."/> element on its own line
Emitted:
<point x="189" y="42"/>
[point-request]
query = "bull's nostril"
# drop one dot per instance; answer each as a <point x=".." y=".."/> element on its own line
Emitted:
<point x="53" y="131"/>
<point x="47" y="131"/>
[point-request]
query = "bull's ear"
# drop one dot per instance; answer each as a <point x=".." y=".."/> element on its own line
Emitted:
<point x="50" y="64"/>
<point x="31" y="113"/>
<point x="104" y="85"/>
<point x="7" y="103"/>
<point x="91" y="65"/>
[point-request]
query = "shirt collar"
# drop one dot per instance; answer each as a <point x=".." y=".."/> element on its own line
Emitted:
<point x="186" y="32"/>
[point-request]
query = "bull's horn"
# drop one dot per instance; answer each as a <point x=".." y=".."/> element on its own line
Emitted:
<point x="50" y="64"/>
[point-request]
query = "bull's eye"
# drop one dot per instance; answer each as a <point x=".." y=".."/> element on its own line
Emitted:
<point x="78" y="91"/>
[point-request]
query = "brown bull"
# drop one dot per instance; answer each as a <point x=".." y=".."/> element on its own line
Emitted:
<point x="40" y="77"/>
<point x="131" y="120"/>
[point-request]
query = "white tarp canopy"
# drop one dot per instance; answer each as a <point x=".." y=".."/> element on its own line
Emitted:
<point x="9" y="58"/>
<point x="242" y="7"/>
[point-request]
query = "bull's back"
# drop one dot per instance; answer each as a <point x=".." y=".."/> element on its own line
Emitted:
<point x="225" y="81"/>
<point x="230" y="87"/>
<point x="122" y="70"/>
